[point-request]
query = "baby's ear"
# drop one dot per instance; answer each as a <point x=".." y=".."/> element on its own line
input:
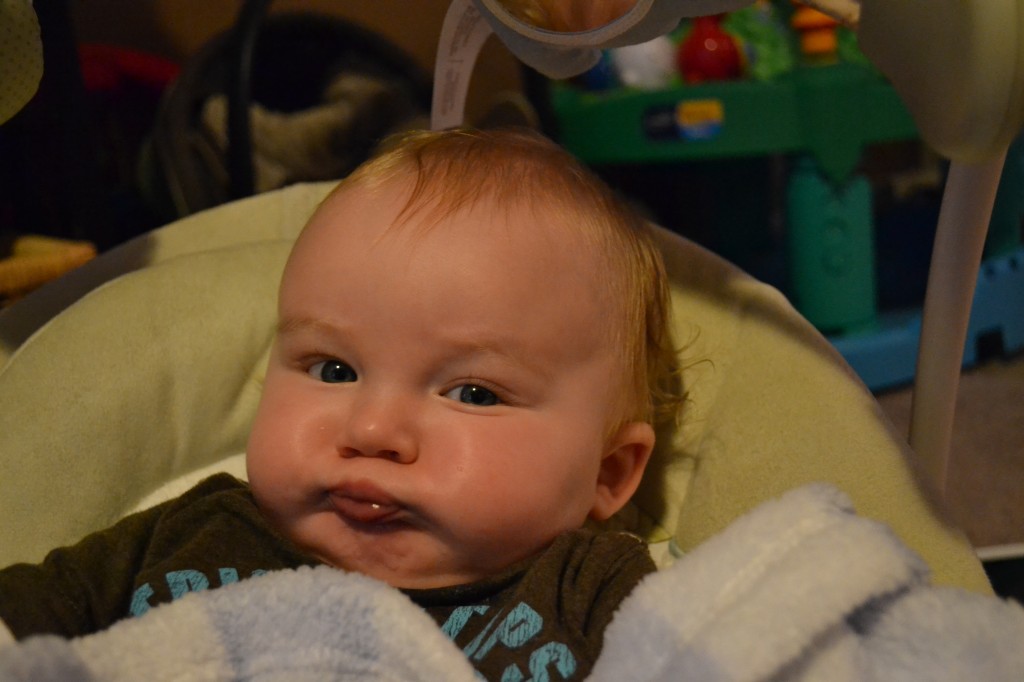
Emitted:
<point x="622" y="467"/>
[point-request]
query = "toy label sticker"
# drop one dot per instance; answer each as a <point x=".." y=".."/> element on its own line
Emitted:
<point x="700" y="119"/>
<point x="693" y="120"/>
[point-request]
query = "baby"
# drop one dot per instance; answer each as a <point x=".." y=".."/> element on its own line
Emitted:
<point x="471" y="355"/>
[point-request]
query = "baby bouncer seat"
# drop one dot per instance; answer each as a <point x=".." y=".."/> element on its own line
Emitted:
<point x="139" y="373"/>
<point x="154" y="373"/>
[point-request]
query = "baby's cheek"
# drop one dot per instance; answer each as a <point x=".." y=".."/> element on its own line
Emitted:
<point x="267" y="453"/>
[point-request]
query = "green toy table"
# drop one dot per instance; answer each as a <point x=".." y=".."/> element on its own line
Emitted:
<point x="824" y="114"/>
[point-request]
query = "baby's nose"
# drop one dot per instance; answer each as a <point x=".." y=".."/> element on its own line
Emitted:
<point x="403" y="456"/>
<point x="380" y="427"/>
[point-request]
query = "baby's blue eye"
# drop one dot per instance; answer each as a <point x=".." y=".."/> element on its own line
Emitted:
<point x="471" y="394"/>
<point x="332" y="372"/>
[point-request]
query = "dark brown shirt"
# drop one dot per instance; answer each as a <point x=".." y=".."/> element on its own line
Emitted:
<point x="545" y="614"/>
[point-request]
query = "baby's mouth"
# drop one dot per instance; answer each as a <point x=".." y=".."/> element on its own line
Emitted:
<point x="365" y="504"/>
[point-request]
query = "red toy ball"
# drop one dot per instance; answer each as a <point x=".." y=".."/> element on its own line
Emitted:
<point x="709" y="53"/>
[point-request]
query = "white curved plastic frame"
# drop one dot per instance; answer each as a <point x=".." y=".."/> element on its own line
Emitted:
<point x="959" y="67"/>
<point x="463" y="34"/>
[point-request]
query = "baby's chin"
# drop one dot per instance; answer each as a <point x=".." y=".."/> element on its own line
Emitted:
<point x="412" y="572"/>
<point x="406" y="555"/>
<point x="410" y="577"/>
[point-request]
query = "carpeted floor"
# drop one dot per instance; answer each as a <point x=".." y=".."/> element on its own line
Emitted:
<point x="985" y="489"/>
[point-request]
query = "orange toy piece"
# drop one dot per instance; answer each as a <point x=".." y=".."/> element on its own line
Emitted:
<point x="35" y="260"/>
<point x="817" y="32"/>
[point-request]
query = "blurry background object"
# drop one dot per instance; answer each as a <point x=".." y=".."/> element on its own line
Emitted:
<point x="34" y="260"/>
<point x="648" y="66"/>
<point x="21" y="56"/>
<point x="278" y="99"/>
<point x="817" y="31"/>
<point x="709" y="53"/>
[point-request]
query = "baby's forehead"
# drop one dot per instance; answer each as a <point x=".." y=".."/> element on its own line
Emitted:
<point x="566" y="233"/>
<point x="420" y="207"/>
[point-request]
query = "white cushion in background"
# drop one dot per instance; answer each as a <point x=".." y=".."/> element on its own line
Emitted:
<point x="144" y="379"/>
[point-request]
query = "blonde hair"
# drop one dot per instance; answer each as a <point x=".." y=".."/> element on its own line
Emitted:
<point x="454" y="169"/>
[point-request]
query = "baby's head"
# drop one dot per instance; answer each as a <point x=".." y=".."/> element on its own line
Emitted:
<point x="471" y="343"/>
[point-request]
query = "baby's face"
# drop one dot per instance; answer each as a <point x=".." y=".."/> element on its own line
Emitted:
<point x="437" y="400"/>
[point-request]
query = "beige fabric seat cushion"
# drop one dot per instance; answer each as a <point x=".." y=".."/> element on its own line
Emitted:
<point x="149" y="375"/>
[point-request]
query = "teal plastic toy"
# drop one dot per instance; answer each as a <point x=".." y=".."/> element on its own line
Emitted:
<point x="823" y="116"/>
<point x="831" y="249"/>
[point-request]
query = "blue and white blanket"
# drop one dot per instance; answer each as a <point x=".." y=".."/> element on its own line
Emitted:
<point x="799" y="589"/>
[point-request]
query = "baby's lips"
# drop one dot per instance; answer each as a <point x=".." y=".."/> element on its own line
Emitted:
<point x="364" y="504"/>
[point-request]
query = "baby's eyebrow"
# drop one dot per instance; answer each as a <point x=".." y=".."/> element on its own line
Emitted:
<point x="506" y="349"/>
<point x="294" y="325"/>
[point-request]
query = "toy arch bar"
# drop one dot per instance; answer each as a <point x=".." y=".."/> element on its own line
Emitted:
<point x="968" y="104"/>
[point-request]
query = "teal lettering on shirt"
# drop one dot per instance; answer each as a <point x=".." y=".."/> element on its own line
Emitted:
<point x="514" y="629"/>
<point x="140" y="600"/>
<point x="512" y="674"/>
<point x="183" y="582"/>
<point x="552" y="652"/>
<point x="518" y="627"/>
<point x="228" y="576"/>
<point x="459" y="617"/>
